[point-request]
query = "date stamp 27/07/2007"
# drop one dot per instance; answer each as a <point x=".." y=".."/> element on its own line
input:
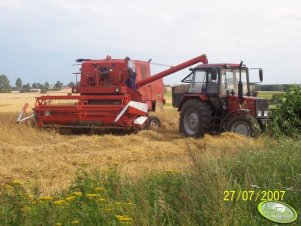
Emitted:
<point x="253" y="195"/>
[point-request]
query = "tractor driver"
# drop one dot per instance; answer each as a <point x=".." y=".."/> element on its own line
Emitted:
<point x="212" y="84"/>
<point x="131" y="81"/>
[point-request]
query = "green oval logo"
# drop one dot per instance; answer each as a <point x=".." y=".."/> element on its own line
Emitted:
<point x="278" y="212"/>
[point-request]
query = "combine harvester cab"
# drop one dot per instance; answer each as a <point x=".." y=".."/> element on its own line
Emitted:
<point x="107" y="97"/>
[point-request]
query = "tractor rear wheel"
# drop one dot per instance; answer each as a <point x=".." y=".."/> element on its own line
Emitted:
<point x="245" y="125"/>
<point x="195" y="118"/>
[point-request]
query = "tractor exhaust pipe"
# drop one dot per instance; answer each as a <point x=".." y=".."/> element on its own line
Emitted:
<point x="240" y="85"/>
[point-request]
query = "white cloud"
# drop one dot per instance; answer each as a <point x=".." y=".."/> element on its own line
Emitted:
<point x="258" y="31"/>
<point x="10" y="4"/>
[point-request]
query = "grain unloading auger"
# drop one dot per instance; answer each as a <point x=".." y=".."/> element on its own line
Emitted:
<point x="112" y="93"/>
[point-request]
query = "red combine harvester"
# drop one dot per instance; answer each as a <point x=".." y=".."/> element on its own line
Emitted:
<point x="112" y="93"/>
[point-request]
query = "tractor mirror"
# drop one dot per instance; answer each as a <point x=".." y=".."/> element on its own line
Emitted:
<point x="260" y="75"/>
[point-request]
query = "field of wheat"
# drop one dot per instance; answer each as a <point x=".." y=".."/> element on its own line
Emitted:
<point x="52" y="160"/>
<point x="146" y="178"/>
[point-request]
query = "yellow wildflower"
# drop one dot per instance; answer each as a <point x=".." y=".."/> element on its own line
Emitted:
<point x="91" y="195"/>
<point x="99" y="189"/>
<point x="16" y="182"/>
<point x="29" y="197"/>
<point x="60" y="202"/>
<point x="75" y="222"/>
<point x="46" y="198"/>
<point x="9" y="187"/>
<point x="58" y="224"/>
<point x="26" y="209"/>
<point x="70" y="198"/>
<point x="123" y="218"/>
<point x="77" y="193"/>
<point x="101" y="200"/>
<point x="108" y="210"/>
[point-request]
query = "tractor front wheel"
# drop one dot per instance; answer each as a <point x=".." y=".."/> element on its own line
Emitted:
<point x="245" y="125"/>
<point x="195" y="118"/>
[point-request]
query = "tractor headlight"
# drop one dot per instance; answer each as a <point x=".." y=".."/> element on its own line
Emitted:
<point x="259" y="113"/>
<point x="265" y="113"/>
<point x="117" y="89"/>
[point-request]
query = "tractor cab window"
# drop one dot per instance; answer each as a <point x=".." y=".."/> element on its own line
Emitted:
<point x="203" y="81"/>
<point x="212" y="84"/>
<point x="230" y="79"/>
<point x="198" y="82"/>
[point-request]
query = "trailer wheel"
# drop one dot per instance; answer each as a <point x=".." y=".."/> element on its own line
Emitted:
<point x="195" y="118"/>
<point x="153" y="123"/>
<point x="245" y="125"/>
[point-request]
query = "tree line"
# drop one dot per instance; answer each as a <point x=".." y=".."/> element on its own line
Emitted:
<point x="6" y="87"/>
<point x="275" y="87"/>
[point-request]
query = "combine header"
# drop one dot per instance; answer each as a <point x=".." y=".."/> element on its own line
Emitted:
<point x="112" y="93"/>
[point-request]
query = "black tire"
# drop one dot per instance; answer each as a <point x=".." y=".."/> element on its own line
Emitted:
<point x="244" y="124"/>
<point x="153" y="123"/>
<point x="195" y="118"/>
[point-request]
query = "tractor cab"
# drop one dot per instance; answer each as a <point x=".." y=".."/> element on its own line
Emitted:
<point x="221" y="79"/>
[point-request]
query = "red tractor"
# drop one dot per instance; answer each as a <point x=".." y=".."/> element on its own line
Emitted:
<point x="219" y="98"/>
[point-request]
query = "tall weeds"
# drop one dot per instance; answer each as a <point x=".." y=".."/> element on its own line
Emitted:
<point x="194" y="197"/>
<point x="286" y="118"/>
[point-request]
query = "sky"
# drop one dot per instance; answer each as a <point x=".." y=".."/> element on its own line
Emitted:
<point x="40" y="40"/>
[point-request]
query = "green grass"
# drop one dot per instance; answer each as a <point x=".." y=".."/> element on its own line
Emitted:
<point x="195" y="197"/>
<point x="268" y="94"/>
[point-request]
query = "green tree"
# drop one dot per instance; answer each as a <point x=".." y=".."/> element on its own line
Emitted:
<point x="35" y="85"/>
<point x="25" y="88"/>
<point x="58" y="85"/>
<point x="71" y="84"/>
<point x="19" y="84"/>
<point x="46" y="85"/>
<point x="4" y="84"/>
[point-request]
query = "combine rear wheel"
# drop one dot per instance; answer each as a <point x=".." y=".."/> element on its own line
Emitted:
<point x="153" y="123"/>
<point x="245" y="125"/>
<point x="195" y="118"/>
